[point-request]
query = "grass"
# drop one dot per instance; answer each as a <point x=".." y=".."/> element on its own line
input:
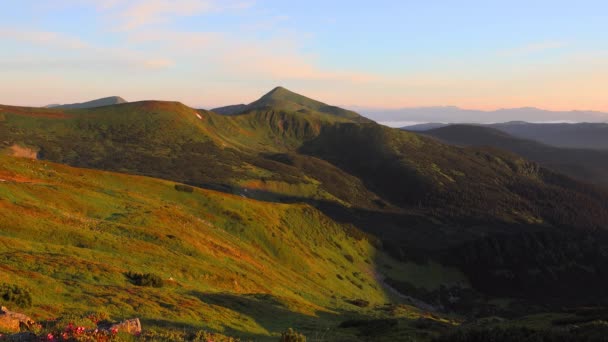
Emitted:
<point x="228" y="264"/>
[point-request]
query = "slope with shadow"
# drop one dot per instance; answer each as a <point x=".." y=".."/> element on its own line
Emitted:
<point x="585" y="164"/>
<point x="282" y="99"/>
<point x="584" y="135"/>
<point x="106" y="101"/>
<point x="422" y="199"/>
<point x="242" y="267"/>
<point x="517" y="230"/>
<point x="172" y="141"/>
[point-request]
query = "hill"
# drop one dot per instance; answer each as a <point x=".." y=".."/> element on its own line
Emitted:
<point x="424" y="202"/>
<point x="284" y="100"/>
<point x="592" y="136"/>
<point x="106" y="101"/>
<point x="584" y="164"/>
<point x="228" y="264"/>
<point x="231" y="110"/>
<point x="568" y="135"/>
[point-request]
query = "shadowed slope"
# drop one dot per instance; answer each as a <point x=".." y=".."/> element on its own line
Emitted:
<point x="586" y="165"/>
<point x="227" y="262"/>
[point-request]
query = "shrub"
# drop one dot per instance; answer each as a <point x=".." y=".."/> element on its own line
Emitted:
<point x="349" y="258"/>
<point x="184" y="188"/>
<point x="144" y="279"/>
<point x="19" y="296"/>
<point x="358" y="302"/>
<point x="292" y="336"/>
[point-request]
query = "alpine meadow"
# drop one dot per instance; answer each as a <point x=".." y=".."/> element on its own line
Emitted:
<point x="358" y="201"/>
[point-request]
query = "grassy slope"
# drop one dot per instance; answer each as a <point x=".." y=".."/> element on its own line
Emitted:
<point x="282" y="99"/>
<point x="421" y="197"/>
<point x="236" y="265"/>
<point x="168" y="140"/>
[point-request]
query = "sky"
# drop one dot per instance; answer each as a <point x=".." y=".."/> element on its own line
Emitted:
<point x="481" y="54"/>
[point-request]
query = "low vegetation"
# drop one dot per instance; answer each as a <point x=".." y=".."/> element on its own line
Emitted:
<point x="145" y="279"/>
<point x="11" y="294"/>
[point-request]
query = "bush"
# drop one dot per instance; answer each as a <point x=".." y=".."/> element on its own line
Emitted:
<point x="349" y="258"/>
<point x="184" y="188"/>
<point x="292" y="336"/>
<point x="358" y="302"/>
<point x="14" y="294"/>
<point x="144" y="279"/>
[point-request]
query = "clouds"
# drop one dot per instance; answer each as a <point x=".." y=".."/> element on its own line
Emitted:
<point x="214" y="52"/>
<point x="47" y="38"/>
<point x="134" y="14"/>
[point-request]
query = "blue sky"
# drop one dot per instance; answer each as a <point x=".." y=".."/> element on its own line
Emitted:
<point x="381" y="54"/>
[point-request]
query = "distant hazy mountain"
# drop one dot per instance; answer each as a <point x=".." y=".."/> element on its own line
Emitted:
<point x="282" y="99"/>
<point x="585" y="164"/>
<point x="459" y="115"/>
<point x="106" y="101"/>
<point x="424" y="126"/>
<point x="568" y="135"/>
<point x="230" y="110"/>
<point x="579" y="135"/>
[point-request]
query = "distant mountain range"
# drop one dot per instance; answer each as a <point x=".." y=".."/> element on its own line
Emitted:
<point x="568" y="135"/>
<point x="459" y="115"/>
<point x="106" y="101"/>
<point x="584" y="164"/>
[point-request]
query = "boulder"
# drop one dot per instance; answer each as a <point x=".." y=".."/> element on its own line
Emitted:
<point x="13" y="321"/>
<point x="129" y="326"/>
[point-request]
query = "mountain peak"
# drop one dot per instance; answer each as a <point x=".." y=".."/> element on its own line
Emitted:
<point x="281" y="98"/>
<point x="283" y="94"/>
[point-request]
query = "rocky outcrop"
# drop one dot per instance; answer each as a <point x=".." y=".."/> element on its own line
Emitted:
<point x="13" y="321"/>
<point x="129" y="326"/>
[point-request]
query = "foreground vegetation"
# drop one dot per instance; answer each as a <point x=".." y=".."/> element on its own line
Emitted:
<point x="88" y="241"/>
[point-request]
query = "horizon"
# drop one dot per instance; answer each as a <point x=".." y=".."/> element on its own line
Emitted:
<point x="209" y="54"/>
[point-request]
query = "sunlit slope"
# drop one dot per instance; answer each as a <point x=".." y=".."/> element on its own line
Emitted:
<point x="70" y="234"/>
<point x="172" y="141"/>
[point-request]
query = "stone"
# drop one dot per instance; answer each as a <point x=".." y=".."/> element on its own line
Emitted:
<point x="13" y="321"/>
<point x="129" y="326"/>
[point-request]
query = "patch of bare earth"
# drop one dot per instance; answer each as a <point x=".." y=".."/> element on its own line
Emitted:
<point x="23" y="152"/>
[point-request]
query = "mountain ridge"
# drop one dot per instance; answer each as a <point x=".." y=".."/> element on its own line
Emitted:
<point x="104" y="101"/>
<point x="280" y="98"/>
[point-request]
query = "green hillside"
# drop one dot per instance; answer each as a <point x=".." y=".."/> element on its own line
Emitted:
<point x="229" y="264"/>
<point x="471" y="231"/>
<point x="282" y="99"/>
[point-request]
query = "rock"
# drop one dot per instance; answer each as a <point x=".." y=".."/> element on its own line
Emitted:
<point x="130" y="326"/>
<point x="13" y="321"/>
